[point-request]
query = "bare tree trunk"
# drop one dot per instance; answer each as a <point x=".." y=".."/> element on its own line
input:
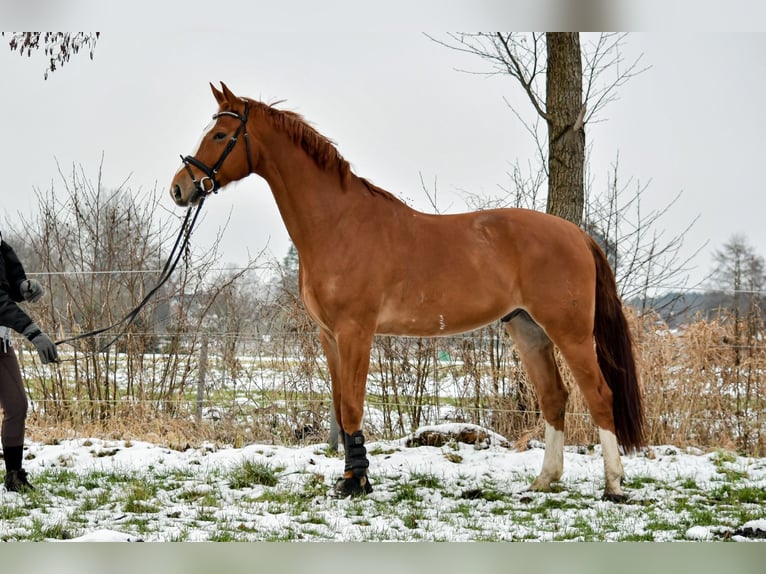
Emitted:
<point x="566" y="134"/>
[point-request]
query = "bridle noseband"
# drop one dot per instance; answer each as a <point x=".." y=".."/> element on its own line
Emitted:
<point x="210" y="172"/>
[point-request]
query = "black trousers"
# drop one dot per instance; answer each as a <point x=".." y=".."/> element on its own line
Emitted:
<point x="13" y="398"/>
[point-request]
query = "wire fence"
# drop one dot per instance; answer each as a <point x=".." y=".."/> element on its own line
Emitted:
<point x="698" y="390"/>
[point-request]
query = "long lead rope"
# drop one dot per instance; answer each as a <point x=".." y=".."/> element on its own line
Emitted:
<point x="170" y="265"/>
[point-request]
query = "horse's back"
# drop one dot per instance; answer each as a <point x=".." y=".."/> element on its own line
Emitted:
<point x="454" y="273"/>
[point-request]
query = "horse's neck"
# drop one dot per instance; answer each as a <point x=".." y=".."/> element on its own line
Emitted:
<point x="311" y="200"/>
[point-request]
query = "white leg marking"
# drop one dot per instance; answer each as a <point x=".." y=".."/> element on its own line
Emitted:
<point x="613" y="471"/>
<point x="553" y="460"/>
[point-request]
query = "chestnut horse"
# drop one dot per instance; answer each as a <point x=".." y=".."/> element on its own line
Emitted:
<point x="369" y="264"/>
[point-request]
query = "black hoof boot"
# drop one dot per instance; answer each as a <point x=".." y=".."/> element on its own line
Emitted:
<point x="352" y="487"/>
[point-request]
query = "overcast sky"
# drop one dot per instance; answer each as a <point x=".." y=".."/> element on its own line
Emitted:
<point x="398" y="108"/>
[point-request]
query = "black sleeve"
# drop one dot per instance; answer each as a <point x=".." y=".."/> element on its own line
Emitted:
<point x="11" y="315"/>
<point x="11" y="275"/>
<point x="14" y="271"/>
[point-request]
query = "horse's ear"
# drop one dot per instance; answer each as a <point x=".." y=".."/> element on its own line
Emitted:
<point x="219" y="97"/>
<point x="227" y="93"/>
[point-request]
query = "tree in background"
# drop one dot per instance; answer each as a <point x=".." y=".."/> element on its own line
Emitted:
<point x="741" y="271"/>
<point x="566" y="88"/>
<point x="58" y="47"/>
<point x="569" y="85"/>
<point x="565" y="114"/>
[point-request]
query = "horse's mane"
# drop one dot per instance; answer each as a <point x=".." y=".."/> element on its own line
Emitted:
<point x="319" y="148"/>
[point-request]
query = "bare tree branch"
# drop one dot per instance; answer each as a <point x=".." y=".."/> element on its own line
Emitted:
<point x="58" y="47"/>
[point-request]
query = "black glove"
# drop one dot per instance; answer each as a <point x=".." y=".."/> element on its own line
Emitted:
<point x="45" y="347"/>
<point x="31" y="290"/>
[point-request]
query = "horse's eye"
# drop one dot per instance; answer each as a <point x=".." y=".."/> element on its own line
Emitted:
<point x="219" y="136"/>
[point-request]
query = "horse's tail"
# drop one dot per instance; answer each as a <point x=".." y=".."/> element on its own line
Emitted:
<point x="614" y="348"/>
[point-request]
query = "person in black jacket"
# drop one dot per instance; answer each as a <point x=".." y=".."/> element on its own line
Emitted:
<point x="14" y="288"/>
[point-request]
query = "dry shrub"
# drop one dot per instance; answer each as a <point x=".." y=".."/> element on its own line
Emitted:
<point x="697" y="391"/>
<point x="693" y="387"/>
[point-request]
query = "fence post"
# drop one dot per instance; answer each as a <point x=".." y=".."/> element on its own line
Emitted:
<point x="201" y="376"/>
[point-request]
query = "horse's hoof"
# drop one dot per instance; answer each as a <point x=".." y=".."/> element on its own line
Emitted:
<point x="615" y="497"/>
<point x="353" y="487"/>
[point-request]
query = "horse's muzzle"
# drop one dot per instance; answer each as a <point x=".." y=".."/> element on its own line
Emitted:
<point x="178" y="196"/>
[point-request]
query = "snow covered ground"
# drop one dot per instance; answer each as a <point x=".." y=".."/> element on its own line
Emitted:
<point x="103" y="490"/>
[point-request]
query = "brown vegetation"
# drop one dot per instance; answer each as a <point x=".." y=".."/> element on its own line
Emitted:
<point x="695" y="392"/>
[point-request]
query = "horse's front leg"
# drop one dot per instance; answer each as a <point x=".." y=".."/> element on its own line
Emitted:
<point x="353" y="351"/>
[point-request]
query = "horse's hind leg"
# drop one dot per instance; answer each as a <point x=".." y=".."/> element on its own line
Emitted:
<point x="536" y="351"/>
<point x="582" y="361"/>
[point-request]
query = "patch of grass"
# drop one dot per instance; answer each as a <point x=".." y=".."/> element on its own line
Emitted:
<point x="660" y="523"/>
<point x="314" y="486"/>
<point x="140" y="525"/>
<point x="356" y="508"/>
<point x="703" y="516"/>
<point x="723" y="461"/>
<point x="567" y="534"/>
<point x="426" y="480"/>
<point x="331" y="453"/>
<point x="88" y="505"/>
<point x="140" y="507"/>
<point x="491" y="495"/>
<point x="464" y="509"/>
<point x="689" y="484"/>
<point x="99" y="479"/>
<point x="12" y="511"/>
<point x="38" y="498"/>
<point x="639" y="481"/>
<point x="250" y="474"/>
<point x="379" y="450"/>
<point x="638" y="537"/>
<point x="501" y="510"/>
<point x="191" y="495"/>
<point x="65" y="492"/>
<point x="412" y="520"/>
<point x="584" y="525"/>
<point x="406" y="492"/>
<point x="182" y="536"/>
<point x="205" y="514"/>
<point x="224" y="536"/>
<point x="313" y="518"/>
<point x="729" y="494"/>
<point x="269" y="496"/>
<point x="550" y="503"/>
<point x="41" y="531"/>
<point x="287" y="535"/>
<point x="722" y="456"/>
<point x="138" y="496"/>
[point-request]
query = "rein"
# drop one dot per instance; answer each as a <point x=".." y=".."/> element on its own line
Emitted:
<point x="182" y="241"/>
<point x="205" y="186"/>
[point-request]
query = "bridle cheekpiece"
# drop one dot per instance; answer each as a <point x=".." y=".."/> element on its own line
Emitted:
<point x="209" y="183"/>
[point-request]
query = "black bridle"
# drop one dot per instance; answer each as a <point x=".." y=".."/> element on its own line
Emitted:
<point x="209" y="178"/>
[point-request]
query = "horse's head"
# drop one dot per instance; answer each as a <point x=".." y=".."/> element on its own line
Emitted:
<point x="222" y="156"/>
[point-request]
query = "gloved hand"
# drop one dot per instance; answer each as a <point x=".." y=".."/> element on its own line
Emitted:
<point x="46" y="349"/>
<point x="45" y="346"/>
<point x="31" y="290"/>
